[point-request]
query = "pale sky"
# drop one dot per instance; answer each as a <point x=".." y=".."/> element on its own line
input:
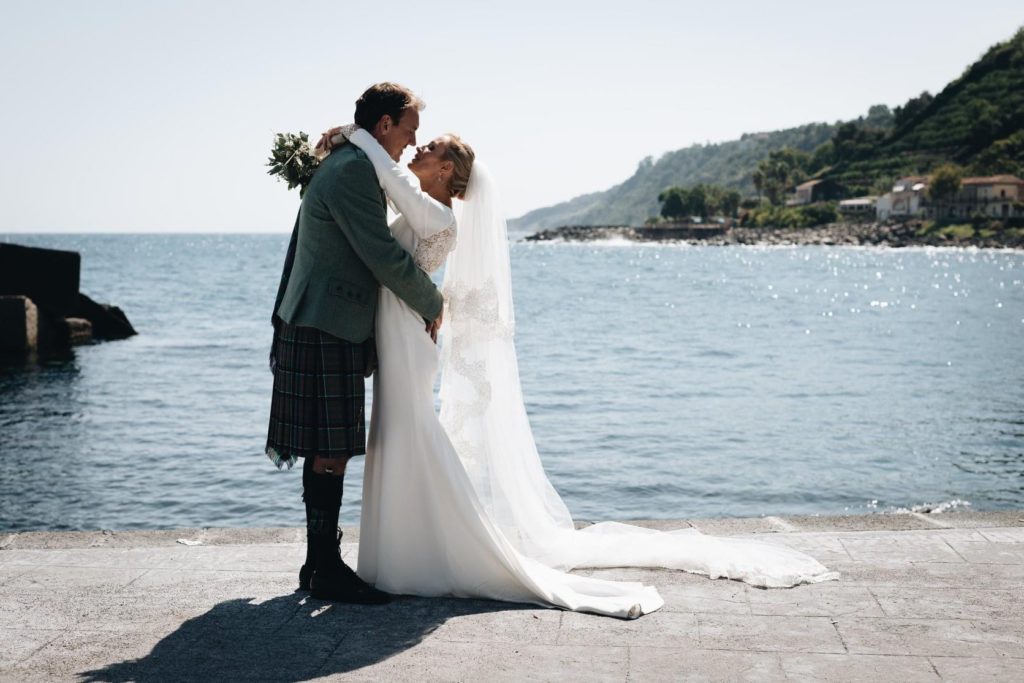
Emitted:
<point x="138" y="116"/>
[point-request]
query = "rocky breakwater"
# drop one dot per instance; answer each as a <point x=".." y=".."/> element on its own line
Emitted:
<point x="854" y="234"/>
<point x="583" y="233"/>
<point x="907" y="234"/>
<point x="851" y="234"/>
<point x="42" y="312"/>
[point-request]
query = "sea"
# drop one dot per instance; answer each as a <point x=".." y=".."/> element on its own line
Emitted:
<point x="661" y="381"/>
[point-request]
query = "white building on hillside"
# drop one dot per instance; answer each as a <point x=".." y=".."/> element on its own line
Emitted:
<point x="905" y="201"/>
<point x="858" y="207"/>
<point x="998" y="196"/>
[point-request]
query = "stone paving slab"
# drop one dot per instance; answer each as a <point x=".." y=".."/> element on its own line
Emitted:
<point x="921" y="598"/>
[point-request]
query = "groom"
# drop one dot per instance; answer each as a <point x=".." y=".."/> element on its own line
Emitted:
<point x="341" y="251"/>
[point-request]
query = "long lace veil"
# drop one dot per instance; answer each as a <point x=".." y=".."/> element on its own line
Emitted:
<point x="483" y="412"/>
<point x="481" y="402"/>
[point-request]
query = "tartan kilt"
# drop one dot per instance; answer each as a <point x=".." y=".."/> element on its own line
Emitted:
<point x="318" y="402"/>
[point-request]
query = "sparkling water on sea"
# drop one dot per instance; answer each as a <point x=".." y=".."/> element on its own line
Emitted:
<point x="662" y="381"/>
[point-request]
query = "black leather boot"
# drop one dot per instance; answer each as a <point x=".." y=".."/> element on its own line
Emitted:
<point x="334" y="580"/>
<point x="328" y="577"/>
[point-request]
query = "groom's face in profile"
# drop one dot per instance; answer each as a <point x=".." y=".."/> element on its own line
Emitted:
<point x="394" y="138"/>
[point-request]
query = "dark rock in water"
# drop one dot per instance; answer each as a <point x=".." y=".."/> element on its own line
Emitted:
<point x="26" y="331"/>
<point x="19" y="325"/>
<point x="108" y="322"/>
<point x="48" y="277"/>
<point x="583" y="233"/>
<point x="78" y="330"/>
<point x="700" y="233"/>
<point x="54" y="339"/>
<point x="41" y="310"/>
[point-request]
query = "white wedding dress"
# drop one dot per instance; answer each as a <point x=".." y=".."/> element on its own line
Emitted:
<point x="460" y="505"/>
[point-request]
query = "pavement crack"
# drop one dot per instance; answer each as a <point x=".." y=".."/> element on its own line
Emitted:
<point x="948" y="545"/>
<point x="877" y="601"/>
<point x="845" y="549"/>
<point x="327" y="659"/>
<point x="125" y="587"/>
<point x="835" y="626"/>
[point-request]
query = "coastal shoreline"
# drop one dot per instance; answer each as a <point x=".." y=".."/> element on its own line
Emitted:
<point x="833" y="234"/>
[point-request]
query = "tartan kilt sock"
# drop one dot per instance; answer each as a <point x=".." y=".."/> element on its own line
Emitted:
<point x="322" y="495"/>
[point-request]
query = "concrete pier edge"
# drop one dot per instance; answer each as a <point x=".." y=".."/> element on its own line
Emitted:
<point x="720" y="526"/>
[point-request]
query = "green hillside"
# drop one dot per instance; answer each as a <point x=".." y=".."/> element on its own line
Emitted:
<point x="976" y="121"/>
<point x="729" y="164"/>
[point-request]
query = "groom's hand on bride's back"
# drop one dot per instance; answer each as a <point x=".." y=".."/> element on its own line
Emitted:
<point x="434" y="325"/>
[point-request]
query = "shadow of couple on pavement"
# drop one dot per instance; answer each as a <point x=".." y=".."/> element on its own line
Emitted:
<point x="290" y="638"/>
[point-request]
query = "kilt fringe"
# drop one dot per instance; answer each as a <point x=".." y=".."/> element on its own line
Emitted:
<point x="281" y="461"/>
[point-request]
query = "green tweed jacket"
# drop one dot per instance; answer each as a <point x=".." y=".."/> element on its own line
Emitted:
<point x="342" y="251"/>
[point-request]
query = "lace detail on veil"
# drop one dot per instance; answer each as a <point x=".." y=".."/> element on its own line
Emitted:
<point x="473" y="310"/>
<point x="467" y="406"/>
<point x="478" y="305"/>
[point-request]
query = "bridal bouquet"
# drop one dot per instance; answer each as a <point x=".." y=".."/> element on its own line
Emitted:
<point x="291" y="160"/>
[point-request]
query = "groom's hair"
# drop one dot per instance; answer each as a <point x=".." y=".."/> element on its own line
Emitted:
<point x="383" y="99"/>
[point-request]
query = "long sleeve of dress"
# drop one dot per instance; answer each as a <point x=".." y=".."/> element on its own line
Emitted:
<point x="431" y="252"/>
<point x="425" y="215"/>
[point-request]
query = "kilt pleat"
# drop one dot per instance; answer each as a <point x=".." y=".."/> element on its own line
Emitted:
<point x="318" y="403"/>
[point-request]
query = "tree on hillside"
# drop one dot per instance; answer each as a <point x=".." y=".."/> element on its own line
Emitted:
<point x="683" y="203"/>
<point x="824" y="155"/>
<point x="759" y="181"/>
<point x="985" y="123"/>
<point x="697" y="204"/>
<point x="730" y="203"/>
<point x="719" y="201"/>
<point x="673" y="202"/>
<point x="943" y="185"/>
<point x="771" y="180"/>
<point x="1003" y="156"/>
<point x="853" y="141"/>
<point x="879" y="116"/>
<point x="780" y="171"/>
<point x="700" y="200"/>
<point x="913" y="107"/>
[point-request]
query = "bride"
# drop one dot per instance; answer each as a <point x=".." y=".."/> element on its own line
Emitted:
<point x="459" y="504"/>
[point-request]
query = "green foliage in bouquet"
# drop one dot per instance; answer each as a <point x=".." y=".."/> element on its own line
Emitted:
<point x="292" y="160"/>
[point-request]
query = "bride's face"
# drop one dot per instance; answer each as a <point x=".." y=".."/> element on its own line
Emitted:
<point x="429" y="164"/>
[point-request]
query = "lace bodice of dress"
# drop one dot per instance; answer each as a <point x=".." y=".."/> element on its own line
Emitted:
<point x="431" y="252"/>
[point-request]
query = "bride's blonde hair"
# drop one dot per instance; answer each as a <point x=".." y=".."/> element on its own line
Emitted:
<point x="461" y="155"/>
